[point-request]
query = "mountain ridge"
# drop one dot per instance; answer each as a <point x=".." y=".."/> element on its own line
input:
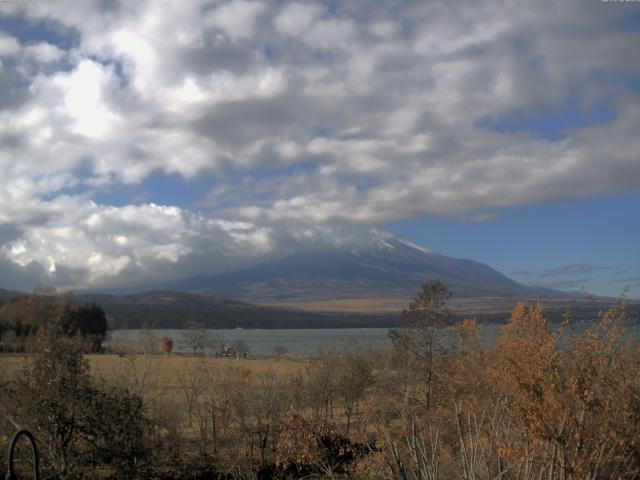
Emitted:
<point x="391" y="267"/>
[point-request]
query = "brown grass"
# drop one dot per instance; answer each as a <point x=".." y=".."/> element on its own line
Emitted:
<point x="162" y="368"/>
<point x="350" y="305"/>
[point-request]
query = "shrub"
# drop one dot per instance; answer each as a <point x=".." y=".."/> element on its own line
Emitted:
<point x="166" y="344"/>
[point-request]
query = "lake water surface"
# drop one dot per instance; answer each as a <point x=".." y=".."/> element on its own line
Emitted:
<point x="261" y="342"/>
<point x="306" y="341"/>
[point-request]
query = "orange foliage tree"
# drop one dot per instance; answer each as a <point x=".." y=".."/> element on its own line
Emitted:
<point x="573" y="400"/>
<point x="166" y="345"/>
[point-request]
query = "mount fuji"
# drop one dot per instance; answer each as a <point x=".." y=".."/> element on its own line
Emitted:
<point x="388" y="267"/>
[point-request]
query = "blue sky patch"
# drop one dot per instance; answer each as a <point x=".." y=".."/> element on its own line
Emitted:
<point x="553" y="125"/>
<point x="48" y="31"/>
<point x="536" y="238"/>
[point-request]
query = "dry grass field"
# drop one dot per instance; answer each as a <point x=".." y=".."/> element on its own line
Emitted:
<point x="350" y="305"/>
<point x="168" y="370"/>
<point x="165" y="370"/>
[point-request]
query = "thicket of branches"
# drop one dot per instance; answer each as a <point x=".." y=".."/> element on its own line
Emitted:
<point x="79" y="422"/>
<point x="538" y="403"/>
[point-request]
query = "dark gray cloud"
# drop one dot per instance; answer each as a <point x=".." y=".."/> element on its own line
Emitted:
<point x="20" y="277"/>
<point x="628" y="280"/>
<point x="573" y="269"/>
<point x="523" y="273"/>
<point x="566" y="284"/>
<point x="13" y="90"/>
<point x="9" y="233"/>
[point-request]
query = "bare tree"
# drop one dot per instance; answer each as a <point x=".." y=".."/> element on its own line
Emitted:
<point x="241" y="346"/>
<point x="354" y="376"/>
<point x="191" y="389"/>
<point x="196" y="337"/>
<point x="280" y="349"/>
<point x="418" y="339"/>
<point x="147" y="340"/>
<point x="322" y="384"/>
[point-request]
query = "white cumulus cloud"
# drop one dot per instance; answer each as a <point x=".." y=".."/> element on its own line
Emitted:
<point x="299" y="117"/>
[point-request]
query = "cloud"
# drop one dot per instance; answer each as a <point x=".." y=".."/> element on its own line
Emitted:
<point x="573" y="284"/>
<point x="79" y="244"/>
<point x="301" y="117"/>
<point x="100" y="243"/>
<point x="44" y="52"/>
<point x="237" y="18"/>
<point x="629" y="280"/>
<point x="8" y="46"/>
<point x="22" y="278"/>
<point x="573" y="269"/>
<point x="296" y="18"/>
<point x="480" y="217"/>
<point x="523" y="273"/>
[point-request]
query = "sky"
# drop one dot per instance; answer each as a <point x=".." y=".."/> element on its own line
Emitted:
<point x="155" y="140"/>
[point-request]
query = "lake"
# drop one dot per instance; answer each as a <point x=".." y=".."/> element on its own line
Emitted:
<point x="261" y="342"/>
<point x="306" y="341"/>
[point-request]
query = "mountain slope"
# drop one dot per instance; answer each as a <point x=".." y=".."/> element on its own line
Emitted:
<point x="391" y="267"/>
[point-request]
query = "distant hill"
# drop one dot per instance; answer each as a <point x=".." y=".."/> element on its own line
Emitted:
<point x="170" y="309"/>
<point x="390" y="268"/>
<point x="165" y="309"/>
<point x="8" y="294"/>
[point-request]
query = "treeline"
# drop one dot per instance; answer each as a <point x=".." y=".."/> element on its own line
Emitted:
<point x="539" y="403"/>
<point x="24" y="320"/>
